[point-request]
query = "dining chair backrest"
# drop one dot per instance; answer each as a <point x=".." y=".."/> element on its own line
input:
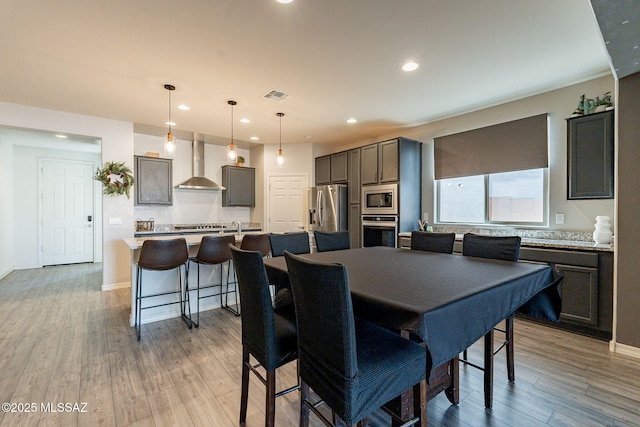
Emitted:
<point x="256" y="242"/>
<point x="332" y="240"/>
<point x="296" y="243"/>
<point x="215" y="249"/>
<point x="433" y="242"/>
<point x="163" y="254"/>
<point x="326" y="330"/>
<point x="506" y="248"/>
<point x="258" y="324"/>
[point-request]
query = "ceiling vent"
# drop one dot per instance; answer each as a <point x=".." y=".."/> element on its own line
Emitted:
<point x="276" y="95"/>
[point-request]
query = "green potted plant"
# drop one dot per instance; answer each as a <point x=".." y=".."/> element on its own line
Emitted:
<point x="240" y="161"/>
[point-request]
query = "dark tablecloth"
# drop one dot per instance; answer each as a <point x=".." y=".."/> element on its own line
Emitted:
<point x="449" y="301"/>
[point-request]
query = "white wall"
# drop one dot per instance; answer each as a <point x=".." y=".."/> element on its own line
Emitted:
<point x="7" y="258"/>
<point x="579" y="214"/>
<point x="191" y="206"/>
<point x="117" y="145"/>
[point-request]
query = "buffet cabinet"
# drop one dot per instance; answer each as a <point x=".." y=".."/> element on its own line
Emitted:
<point x="586" y="289"/>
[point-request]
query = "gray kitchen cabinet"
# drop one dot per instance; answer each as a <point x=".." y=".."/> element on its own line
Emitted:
<point x="323" y="170"/>
<point x="354" y="226"/>
<point x="590" y="156"/>
<point x="354" y="176"/>
<point x="388" y="168"/>
<point x="339" y="168"/>
<point x="579" y="293"/>
<point x="380" y="162"/>
<point x="154" y="181"/>
<point x="240" y="184"/>
<point x="586" y="290"/>
<point x="369" y="164"/>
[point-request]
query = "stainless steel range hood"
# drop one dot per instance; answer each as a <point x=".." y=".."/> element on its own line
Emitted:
<point x="198" y="180"/>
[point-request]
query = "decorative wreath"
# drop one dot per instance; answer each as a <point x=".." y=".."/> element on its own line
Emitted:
<point x="116" y="178"/>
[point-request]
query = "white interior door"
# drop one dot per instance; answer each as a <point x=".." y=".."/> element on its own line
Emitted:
<point x="287" y="201"/>
<point x="66" y="212"/>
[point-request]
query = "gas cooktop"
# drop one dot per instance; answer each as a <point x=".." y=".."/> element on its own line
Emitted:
<point x="198" y="226"/>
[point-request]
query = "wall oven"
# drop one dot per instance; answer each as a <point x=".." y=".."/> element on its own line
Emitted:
<point x="380" y="199"/>
<point x="379" y="230"/>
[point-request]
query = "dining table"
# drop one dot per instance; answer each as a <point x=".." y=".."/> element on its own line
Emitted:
<point x="447" y="301"/>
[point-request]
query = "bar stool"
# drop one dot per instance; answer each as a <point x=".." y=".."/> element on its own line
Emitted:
<point x="162" y="255"/>
<point x="214" y="250"/>
<point x="256" y="242"/>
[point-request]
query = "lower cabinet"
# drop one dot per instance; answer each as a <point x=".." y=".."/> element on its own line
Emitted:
<point x="586" y="290"/>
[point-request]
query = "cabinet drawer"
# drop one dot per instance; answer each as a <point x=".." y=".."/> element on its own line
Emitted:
<point x="557" y="256"/>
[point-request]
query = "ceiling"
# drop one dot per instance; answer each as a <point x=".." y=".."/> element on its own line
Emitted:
<point x="336" y="59"/>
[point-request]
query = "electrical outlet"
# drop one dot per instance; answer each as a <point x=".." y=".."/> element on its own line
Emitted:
<point x="559" y="218"/>
<point x="425" y="216"/>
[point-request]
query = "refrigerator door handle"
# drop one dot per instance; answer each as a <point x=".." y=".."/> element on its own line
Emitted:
<point x="320" y="210"/>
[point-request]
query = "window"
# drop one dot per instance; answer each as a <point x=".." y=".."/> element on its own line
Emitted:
<point x="508" y="197"/>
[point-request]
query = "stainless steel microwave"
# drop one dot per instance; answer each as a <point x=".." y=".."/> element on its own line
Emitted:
<point x="380" y="199"/>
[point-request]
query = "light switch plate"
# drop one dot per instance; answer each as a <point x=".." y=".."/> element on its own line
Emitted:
<point x="559" y="218"/>
<point x="115" y="220"/>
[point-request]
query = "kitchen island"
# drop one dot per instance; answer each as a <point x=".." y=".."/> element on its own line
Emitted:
<point x="165" y="281"/>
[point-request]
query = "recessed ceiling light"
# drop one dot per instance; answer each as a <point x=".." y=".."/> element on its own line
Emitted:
<point x="410" y="66"/>
<point x="284" y="1"/>
<point x="170" y="123"/>
<point x="59" y="135"/>
<point x="245" y="120"/>
<point x="183" y="107"/>
<point x="308" y="136"/>
<point x="352" y="121"/>
<point x="254" y="138"/>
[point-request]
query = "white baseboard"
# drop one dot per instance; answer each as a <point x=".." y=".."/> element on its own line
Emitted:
<point x="114" y="286"/>
<point x="8" y="272"/>
<point x="625" y="350"/>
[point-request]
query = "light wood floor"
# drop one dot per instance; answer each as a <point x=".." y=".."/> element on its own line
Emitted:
<point x="62" y="340"/>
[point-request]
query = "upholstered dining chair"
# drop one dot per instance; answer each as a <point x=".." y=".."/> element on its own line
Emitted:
<point x="331" y="240"/>
<point x="354" y="366"/>
<point x="506" y="248"/>
<point x="268" y="336"/>
<point x="256" y="242"/>
<point x="296" y="243"/>
<point x="214" y="250"/>
<point x="433" y="242"/>
<point x="162" y="255"/>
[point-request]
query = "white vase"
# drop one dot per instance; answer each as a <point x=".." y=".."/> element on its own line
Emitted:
<point x="602" y="232"/>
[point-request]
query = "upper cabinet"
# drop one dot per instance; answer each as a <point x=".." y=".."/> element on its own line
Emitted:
<point x="379" y="163"/>
<point x="154" y="181"/>
<point x="332" y="169"/>
<point x="240" y="184"/>
<point x="339" y="167"/>
<point x="354" y="176"/>
<point x="323" y="170"/>
<point x="590" y="156"/>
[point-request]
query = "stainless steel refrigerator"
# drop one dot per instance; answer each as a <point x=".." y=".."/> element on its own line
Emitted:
<point x="328" y="208"/>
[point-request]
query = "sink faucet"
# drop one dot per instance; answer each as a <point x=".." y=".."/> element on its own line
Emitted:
<point x="238" y="225"/>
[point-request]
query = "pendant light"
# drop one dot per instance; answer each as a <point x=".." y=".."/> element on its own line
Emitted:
<point x="169" y="139"/>
<point x="231" y="153"/>
<point x="280" y="157"/>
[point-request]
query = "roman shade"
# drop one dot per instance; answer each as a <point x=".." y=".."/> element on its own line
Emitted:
<point x="505" y="147"/>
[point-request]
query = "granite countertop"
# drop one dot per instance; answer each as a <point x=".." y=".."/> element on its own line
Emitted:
<point x="191" y="238"/>
<point x="552" y="243"/>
